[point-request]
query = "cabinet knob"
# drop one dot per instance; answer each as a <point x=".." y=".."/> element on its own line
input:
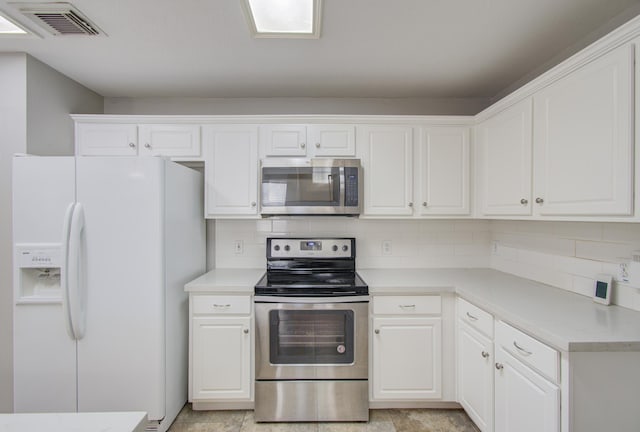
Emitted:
<point x="132" y="145"/>
<point x="424" y="204"/>
<point x="317" y="145"/>
<point x="377" y="331"/>
<point x="410" y="204"/>
<point x="246" y="331"/>
<point x="485" y="354"/>
<point x="302" y="145"/>
<point x="499" y="366"/>
<point x="253" y="203"/>
<point x="524" y="201"/>
<point x="539" y="200"/>
<point x="147" y="145"/>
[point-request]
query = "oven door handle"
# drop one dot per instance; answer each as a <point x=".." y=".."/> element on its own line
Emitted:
<point x="343" y="299"/>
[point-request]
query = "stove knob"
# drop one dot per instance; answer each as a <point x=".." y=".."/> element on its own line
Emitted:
<point x="334" y="248"/>
<point x="276" y="248"/>
<point x="345" y="248"/>
<point x="287" y="247"/>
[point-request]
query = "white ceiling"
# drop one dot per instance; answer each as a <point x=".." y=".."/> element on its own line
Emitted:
<point x="367" y="48"/>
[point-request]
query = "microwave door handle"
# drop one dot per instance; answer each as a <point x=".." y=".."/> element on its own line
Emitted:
<point x="330" y="176"/>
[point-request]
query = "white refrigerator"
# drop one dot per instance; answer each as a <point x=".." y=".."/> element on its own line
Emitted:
<point x="103" y="247"/>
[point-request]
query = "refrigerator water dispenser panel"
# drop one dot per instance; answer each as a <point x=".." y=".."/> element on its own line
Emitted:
<point x="38" y="273"/>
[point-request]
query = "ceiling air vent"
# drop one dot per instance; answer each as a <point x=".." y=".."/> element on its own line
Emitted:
<point x="59" y="19"/>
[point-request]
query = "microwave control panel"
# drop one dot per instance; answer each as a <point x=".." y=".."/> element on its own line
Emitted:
<point x="350" y="187"/>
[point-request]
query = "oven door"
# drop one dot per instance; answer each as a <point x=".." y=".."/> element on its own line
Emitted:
<point x="311" y="340"/>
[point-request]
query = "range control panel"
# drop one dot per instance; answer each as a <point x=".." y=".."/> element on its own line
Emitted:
<point x="311" y="247"/>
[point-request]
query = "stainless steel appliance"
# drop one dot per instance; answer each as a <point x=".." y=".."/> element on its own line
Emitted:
<point x="311" y="187"/>
<point x="311" y="333"/>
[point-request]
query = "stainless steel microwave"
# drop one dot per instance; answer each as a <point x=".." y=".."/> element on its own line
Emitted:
<point x="310" y="187"/>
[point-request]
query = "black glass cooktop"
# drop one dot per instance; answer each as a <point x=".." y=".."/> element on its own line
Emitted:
<point x="312" y="284"/>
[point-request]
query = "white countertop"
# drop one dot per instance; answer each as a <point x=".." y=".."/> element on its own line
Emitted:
<point x="74" y="422"/>
<point x="239" y="281"/>
<point x="563" y="320"/>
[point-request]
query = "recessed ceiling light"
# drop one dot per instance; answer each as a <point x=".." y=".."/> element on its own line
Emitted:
<point x="9" y="28"/>
<point x="283" y="18"/>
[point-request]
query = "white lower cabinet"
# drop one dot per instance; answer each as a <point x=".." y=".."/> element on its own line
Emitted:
<point x="475" y="376"/>
<point x="526" y="400"/>
<point x="406" y="348"/>
<point x="220" y="349"/>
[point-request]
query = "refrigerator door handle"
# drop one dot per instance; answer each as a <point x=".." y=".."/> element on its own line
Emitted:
<point x="64" y="271"/>
<point x="76" y="269"/>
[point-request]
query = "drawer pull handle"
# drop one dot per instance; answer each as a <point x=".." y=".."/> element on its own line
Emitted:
<point x="471" y="317"/>
<point x="221" y="306"/>
<point x="485" y="354"/>
<point x="499" y="366"/>
<point x="412" y="306"/>
<point x="377" y="331"/>
<point x="522" y="350"/>
<point x="246" y="331"/>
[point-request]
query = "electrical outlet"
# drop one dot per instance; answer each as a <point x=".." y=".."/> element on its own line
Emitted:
<point x="386" y="247"/>
<point x="238" y="247"/>
<point x="623" y="272"/>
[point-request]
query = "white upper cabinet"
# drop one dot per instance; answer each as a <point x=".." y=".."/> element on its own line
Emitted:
<point x="386" y="154"/>
<point x="308" y="140"/>
<point x="106" y="139"/>
<point x="173" y="140"/>
<point x="178" y="141"/>
<point x="583" y="140"/>
<point x="284" y="140"/>
<point x="504" y="159"/>
<point x="231" y="170"/>
<point x="332" y="140"/>
<point x="443" y="171"/>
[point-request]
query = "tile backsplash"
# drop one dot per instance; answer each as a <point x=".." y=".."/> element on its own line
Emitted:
<point x="419" y="243"/>
<point x="567" y="255"/>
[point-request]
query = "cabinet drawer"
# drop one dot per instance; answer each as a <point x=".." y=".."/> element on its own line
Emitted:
<point x="475" y="317"/>
<point x="407" y="305"/>
<point x="218" y="304"/>
<point x="529" y="351"/>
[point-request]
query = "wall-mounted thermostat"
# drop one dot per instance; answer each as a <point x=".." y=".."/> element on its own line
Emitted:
<point x="602" y="289"/>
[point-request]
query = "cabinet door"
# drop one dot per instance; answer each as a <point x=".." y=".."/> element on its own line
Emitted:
<point x="583" y="146"/>
<point x="284" y="140"/>
<point x="99" y="139"/>
<point x="387" y="157"/>
<point x="332" y="140"/>
<point x="505" y="161"/>
<point x="407" y="358"/>
<point x="475" y="376"/>
<point x="524" y="400"/>
<point x="221" y="358"/>
<point x="231" y="170"/>
<point x="444" y="171"/>
<point x="172" y="140"/>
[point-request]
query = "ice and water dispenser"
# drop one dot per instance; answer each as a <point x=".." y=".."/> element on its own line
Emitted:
<point x="38" y="273"/>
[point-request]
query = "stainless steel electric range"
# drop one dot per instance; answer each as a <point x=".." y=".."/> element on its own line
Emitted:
<point x="311" y="311"/>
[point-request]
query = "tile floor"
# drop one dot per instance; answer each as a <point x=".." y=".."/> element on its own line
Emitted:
<point x="397" y="420"/>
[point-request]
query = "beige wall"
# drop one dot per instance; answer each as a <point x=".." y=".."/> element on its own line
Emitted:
<point x="34" y="117"/>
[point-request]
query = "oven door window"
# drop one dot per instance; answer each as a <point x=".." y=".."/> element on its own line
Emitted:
<point x="311" y="337"/>
<point x="301" y="187"/>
